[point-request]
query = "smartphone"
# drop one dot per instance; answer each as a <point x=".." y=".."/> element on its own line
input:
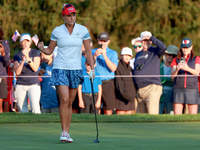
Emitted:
<point x="182" y="60"/>
<point x="100" y="45"/>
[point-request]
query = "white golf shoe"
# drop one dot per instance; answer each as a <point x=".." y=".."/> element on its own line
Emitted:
<point x="65" y="137"/>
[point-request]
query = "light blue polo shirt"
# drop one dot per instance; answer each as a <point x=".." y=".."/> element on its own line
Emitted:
<point x="86" y="85"/>
<point x="69" y="46"/>
<point x="102" y="68"/>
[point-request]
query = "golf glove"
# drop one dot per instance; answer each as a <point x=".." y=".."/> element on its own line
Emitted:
<point x="41" y="48"/>
<point x="92" y="75"/>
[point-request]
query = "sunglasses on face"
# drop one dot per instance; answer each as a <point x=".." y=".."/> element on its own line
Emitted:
<point x="25" y="34"/>
<point x="171" y="55"/>
<point x="67" y="6"/>
<point x="135" y="46"/>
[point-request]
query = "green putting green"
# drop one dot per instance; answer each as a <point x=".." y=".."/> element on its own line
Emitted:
<point x="112" y="136"/>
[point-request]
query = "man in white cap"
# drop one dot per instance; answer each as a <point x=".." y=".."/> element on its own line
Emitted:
<point x="147" y="62"/>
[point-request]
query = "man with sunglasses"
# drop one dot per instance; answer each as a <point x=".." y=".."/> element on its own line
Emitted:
<point x="147" y="62"/>
<point x="137" y="45"/>
<point x="165" y="69"/>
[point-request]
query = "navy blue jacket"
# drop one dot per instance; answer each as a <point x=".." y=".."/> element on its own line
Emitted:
<point x="184" y="81"/>
<point x="150" y="64"/>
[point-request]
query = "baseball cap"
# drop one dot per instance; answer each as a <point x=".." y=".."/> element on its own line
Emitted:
<point x="68" y="9"/>
<point x="145" y="33"/>
<point x="172" y="49"/>
<point x="186" y="42"/>
<point x="104" y="36"/>
<point x="135" y="40"/>
<point x="127" y="51"/>
<point x="25" y="36"/>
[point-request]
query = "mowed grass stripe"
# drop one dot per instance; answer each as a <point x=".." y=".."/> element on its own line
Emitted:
<point x="126" y="136"/>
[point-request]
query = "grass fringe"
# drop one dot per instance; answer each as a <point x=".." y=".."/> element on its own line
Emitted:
<point x="6" y="118"/>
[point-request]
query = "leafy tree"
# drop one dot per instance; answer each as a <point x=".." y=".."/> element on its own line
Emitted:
<point x="168" y="20"/>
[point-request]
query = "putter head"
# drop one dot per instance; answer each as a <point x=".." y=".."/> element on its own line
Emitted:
<point x="96" y="141"/>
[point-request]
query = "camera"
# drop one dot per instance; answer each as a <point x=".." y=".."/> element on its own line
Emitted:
<point x="100" y="46"/>
<point x="182" y="60"/>
<point x="139" y="67"/>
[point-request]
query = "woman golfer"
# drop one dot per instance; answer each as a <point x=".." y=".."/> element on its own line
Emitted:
<point x="67" y="72"/>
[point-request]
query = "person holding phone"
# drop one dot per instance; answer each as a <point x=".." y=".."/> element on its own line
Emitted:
<point x="107" y="62"/>
<point x="185" y="68"/>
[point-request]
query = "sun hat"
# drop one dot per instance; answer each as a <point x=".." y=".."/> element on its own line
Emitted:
<point x="172" y="49"/>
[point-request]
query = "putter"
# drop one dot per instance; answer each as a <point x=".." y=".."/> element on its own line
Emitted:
<point x="97" y="140"/>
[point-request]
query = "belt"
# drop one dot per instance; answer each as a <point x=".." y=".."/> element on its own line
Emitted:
<point x="105" y="81"/>
<point x="89" y="94"/>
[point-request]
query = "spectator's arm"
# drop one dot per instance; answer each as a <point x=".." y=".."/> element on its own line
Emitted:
<point x="35" y="64"/>
<point x="98" y="102"/>
<point x="161" y="47"/>
<point x="80" y="97"/>
<point x="88" y="53"/>
<point x="191" y="70"/>
<point x="18" y="67"/>
<point x="174" y="71"/>
<point x="50" y="49"/>
<point x="109" y="63"/>
<point x="5" y="54"/>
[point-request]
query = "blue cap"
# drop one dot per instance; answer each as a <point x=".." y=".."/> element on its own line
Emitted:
<point x="186" y="42"/>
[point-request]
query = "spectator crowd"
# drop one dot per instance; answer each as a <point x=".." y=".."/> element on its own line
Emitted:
<point x="160" y="79"/>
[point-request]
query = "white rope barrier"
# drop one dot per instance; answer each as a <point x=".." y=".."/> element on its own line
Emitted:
<point x="116" y="76"/>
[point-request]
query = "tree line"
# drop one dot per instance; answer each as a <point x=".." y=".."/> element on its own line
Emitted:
<point x="168" y="20"/>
